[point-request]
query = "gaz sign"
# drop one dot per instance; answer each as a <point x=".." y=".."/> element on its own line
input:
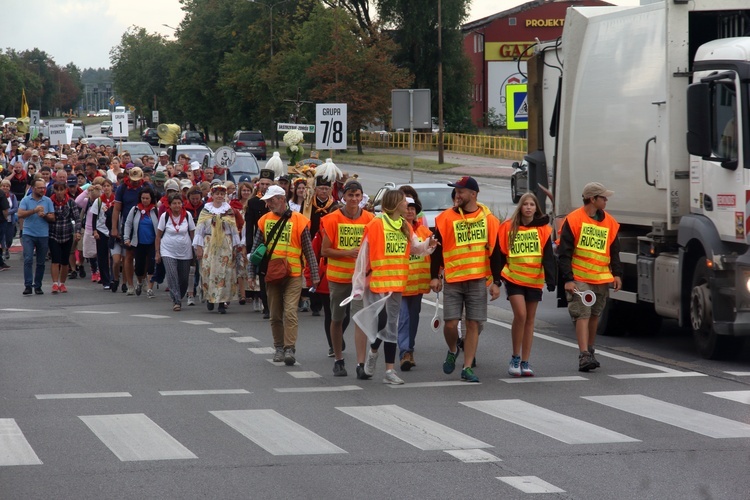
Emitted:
<point x="517" y="107"/>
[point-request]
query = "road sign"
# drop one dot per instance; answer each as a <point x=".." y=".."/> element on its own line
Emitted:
<point x="516" y="107"/>
<point x="302" y="127"/>
<point x="225" y="156"/>
<point x="119" y="125"/>
<point x="131" y="108"/>
<point x="330" y="126"/>
<point x="155" y="116"/>
<point x="416" y="101"/>
<point x="111" y="100"/>
<point x="57" y="133"/>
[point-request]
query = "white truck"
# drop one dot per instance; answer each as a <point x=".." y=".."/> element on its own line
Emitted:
<point x="653" y="101"/>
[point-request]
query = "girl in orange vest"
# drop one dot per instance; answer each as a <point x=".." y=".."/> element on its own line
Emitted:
<point x="528" y="263"/>
<point x="381" y="273"/>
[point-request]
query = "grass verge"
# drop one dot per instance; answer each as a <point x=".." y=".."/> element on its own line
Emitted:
<point x="394" y="161"/>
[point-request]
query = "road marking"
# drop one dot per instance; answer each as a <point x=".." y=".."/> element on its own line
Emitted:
<point x="275" y="433"/>
<point x="415" y="385"/>
<point x="223" y="330"/>
<point x="531" y="484"/>
<point x="338" y="388"/>
<point x="739" y="396"/>
<point x="245" y="339"/>
<point x="150" y="316"/>
<point x="206" y="392"/>
<point x="525" y="380"/>
<point x="11" y="309"/>
<point x="134" y="436"/>
<point x="262" y="350"/>
<point x="196" y="322"/>
<point x="304" y="374"/>
<point x="96" y="312"/>
<point x="414" y="429"/>
<point x="552" y="424"/>
<point x="84" y="395"/>
<point x="14" y="448"/>
<point x="473" y="456"/>
<point x="739" y="374"/>
<point x="628" y="376"/>
<point x="678" y="416"/>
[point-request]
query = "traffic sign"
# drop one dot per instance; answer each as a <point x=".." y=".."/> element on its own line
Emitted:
<point x="131" y="108"/>
<point x="225" y="157"/>
<point x="516" y="107"/>
<point x="302" y="127"/>
<point x="119" y="125"/>
<point x="155" y="116"/>
<point x="330" y="126"/>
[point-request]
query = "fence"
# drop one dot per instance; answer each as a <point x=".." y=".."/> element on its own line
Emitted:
<point x="510" y="148"/>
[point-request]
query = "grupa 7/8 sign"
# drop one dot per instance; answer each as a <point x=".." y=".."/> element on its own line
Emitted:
<point x="330" y="126"/>
<point x="119" y="124"/>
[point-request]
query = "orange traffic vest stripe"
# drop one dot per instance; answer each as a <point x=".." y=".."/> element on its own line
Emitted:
<point x="524" y="257"/>
<point x="345" y="234"/>
<point x="592" y="240"/>
<point x="389" y="256"/>
<point x="419" y="268"/>
<point x="467" y="243"/>
<point x="290" y="241"/>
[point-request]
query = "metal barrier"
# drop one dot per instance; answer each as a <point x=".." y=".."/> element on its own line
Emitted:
<point x="510" y="148"/>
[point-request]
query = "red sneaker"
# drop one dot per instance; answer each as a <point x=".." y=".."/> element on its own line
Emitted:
<point x="55" y="288"/>
<point x="63" y="288"/>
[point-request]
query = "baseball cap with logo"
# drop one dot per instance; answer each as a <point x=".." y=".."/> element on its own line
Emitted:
<point x="466" y="182"/>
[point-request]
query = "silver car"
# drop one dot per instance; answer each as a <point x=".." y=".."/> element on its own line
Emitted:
<point x="434" y="196"/>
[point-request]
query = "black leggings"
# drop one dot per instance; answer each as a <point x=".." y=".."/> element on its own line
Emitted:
<point x="389" y="350"/>
<point x="144" y="258"/>
<point x="325" y="300"/>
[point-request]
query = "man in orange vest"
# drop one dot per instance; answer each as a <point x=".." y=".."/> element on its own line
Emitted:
<point x="589" y="257"/>
<point x="470" y="254"/>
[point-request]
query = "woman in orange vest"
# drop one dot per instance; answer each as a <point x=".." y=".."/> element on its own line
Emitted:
<point x="381" y="273"/>
<point x="528" y="262"/>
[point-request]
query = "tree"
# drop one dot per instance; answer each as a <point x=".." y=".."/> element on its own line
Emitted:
<point x="360" y="9"/>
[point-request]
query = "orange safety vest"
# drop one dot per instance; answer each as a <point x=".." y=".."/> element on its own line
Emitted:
<point x="419" y="267"/>
<point x="389" y="256"/>
<point x="290" y="241"/>
<point x="592" y="240"/>
<point x="345" y="234"/>
<point x="467" y="243"/>
<point x="524" y="263"/>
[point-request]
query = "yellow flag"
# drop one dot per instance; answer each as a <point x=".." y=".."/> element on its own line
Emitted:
<point x="24" y="104"/>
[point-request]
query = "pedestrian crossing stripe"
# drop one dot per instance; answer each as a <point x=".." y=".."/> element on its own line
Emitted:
<point x="739" y="396"/>
<point x="14" y="448"/>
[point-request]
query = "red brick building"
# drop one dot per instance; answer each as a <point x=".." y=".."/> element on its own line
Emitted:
<point x="494" y="43"/>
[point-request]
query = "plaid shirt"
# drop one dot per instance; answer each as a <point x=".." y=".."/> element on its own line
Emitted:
<point x="67" y="222"/>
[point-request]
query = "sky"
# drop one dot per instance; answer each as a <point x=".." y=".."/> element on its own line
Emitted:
<point x="84" y="31"/>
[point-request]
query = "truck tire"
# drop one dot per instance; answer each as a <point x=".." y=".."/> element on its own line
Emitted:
<point x="710" y="345"/>
<point x="514" y="195"/>
<point x="612" y="320"/>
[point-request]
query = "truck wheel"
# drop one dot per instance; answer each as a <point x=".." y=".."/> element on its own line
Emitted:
<point x="612" y="320"/>
<point x="514" y="192"/>
<point x="710" y="345"/>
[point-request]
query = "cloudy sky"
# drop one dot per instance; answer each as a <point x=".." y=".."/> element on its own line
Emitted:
<point x="84" y="31"/>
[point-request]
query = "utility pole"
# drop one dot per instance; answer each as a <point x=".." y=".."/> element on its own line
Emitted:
<point x="441" y="159"/>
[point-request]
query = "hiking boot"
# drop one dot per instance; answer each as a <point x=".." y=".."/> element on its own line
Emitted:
<point x="526" y="370"/>
<point x="596" y="361"/>
<point x="278" y="356"/>
<point x="467" y="374"/>
<point x="391" y="378"/>
<point x="339" y="370"/>
<point x="289" y="359"/>
<point x="361" y="375"/>
<point x="585" y="362"/>
<point x="514" y="367"/>
<point x="450" y="362"/>
<point x="371" y="362"/>
<point x="407" y="362"/>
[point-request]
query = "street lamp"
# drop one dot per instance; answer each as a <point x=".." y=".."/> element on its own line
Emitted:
<point x="270" y="23"/>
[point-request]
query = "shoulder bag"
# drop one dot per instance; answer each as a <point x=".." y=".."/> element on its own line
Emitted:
<point x="275" y="270"/>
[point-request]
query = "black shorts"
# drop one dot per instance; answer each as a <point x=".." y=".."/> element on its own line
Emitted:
<point x="59" y="253"/>
<point x="529" y="294"/>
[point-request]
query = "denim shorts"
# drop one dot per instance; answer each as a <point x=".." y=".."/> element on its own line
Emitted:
<point x="471" y="294"/>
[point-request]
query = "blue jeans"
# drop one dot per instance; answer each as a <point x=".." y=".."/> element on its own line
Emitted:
<point x="408" y="323"/>
<point x="29" y="243"/>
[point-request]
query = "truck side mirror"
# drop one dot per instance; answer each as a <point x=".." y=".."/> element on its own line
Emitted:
<point x="699" y="120"/>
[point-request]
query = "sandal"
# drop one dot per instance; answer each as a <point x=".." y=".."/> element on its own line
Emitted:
<point x="177" y="307"/>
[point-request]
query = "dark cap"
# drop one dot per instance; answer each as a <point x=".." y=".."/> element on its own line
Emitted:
<point x="466" y="182"/>
<point x="353" y="185"/>
<point x="322" y="181"/>
<point x="284" y="178"/>
<point x="72" y="180"/>
<point x="245" y="178"/>
<point x="267" y="173"/>
<point x="68" y="168"/>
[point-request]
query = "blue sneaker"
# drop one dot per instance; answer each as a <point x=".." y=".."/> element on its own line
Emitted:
<point x="450" y="362"/>
<point x="514" y="367"/>
<point x="526" y="370"/>
<point x="467" y="374"/>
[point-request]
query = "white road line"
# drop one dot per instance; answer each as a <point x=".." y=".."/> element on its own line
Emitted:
<point x="133" y="437"/>
<point x="14" y="449"/>
<point x="552" y="424"/>
<point x="338" y="388"/>
<point x="414" y="429"/>
<point x="150" y="316"/>
<point x="196" y="322"/>
<point x="206" y="392"/>
<point x="84" y="395"/>
<point x="531" y="484"/>
<point x="678" y="416"/>
<point x="275" y="433"/>
<point x="262" y="350"/>
<point x="245" y="339"/>
<point x="739" y="396"/>
<point x="525" y="380"/>
<point x="473" y="456"/>
<point x="739" y="374"/>
<point x="12" y="309"/>
<point x="96" y="312"/>
<point x="223" y="330"/>
<point x="628" y="376"/>
<point x="447" y="383"/>
<point x="304" y="374"/>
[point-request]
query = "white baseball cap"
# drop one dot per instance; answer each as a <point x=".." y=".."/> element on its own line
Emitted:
<point x="273" y="191"/>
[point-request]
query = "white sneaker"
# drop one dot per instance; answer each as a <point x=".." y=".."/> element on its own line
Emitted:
<point x="391" y="377"/>
<point x="257" y="305"/>
<point x="191" y="301"/>
<point x="370" y="362"/>
<point x="514" y="367"/>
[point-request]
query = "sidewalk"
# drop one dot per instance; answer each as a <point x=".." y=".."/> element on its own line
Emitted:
<point x="478" y="166"/>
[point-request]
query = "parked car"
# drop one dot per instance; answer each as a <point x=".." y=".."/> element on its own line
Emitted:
<point x="106" y="124"/>
<point x="196" y="152"/>
<point x="77" y="135"/>
<point x="150" y="136"/>
<point x="79" y="123"/>
<point x="10" y="120"/>
<point x="519" y="180"/>
<point x="102" y="112"/>
<point x="136" y="149"/>
<point x="192" y="137"/>
<point x="250" y="141"/>
<point x="434" y="196"/>
<point x="99" y="140"/>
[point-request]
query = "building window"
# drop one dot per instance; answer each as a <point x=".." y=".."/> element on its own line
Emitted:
<point x="511" y="21"/>
<point x="481" y="92"/>
<point x="478" y="43"/>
